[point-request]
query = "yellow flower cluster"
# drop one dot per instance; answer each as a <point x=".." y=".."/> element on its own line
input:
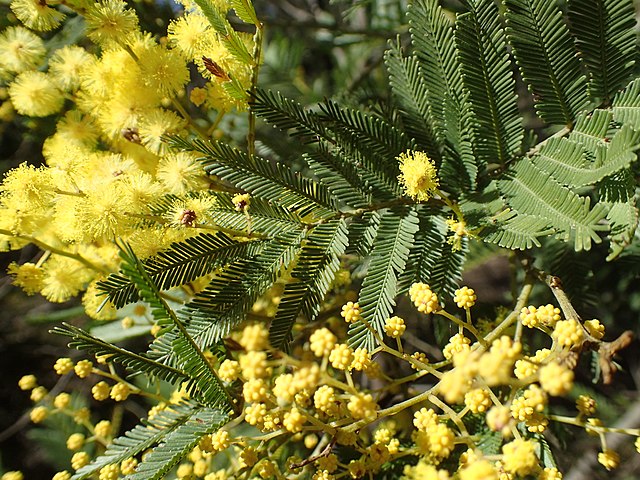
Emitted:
<point x="108" y="171"/>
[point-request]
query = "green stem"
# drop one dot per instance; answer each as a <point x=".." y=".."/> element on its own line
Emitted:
<point x="48" y="248"/>
<point x="255" y="69"/>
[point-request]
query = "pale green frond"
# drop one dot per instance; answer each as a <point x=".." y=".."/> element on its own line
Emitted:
<point x="488" y="78"/>
<point x="626" y="105"/>
<point x="178" y="443"/>
<point x="139" y="439"/>
<point x="531" y="191"/>
<point x="517" y="231"/>
<point x="546" y="55"/>
<point x="591" y="129"/>
<point x="623" y="219"/>
<point x="388" y="259"/>
<point x="606" y="36"/>
<point x="227" y="35"/>
<point x="134" y="362"/>
<point x="245" y="11"/>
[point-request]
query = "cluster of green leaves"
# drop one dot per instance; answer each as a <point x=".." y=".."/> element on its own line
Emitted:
<point x="455" y="97"/>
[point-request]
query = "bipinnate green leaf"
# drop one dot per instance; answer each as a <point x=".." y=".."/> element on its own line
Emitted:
<point x="138" y="440"/>
<point x="312" y="276"/>
<point x="546" y="55"/>
<point x="488" y="78"/>
<point x="606" y="36"/>
<point x="388" y="259"/>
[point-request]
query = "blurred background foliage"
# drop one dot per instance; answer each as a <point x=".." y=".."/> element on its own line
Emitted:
<point x="314" y="49"/>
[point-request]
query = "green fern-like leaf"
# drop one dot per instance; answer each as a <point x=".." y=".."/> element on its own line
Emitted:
<point x="362" y="233"/>
<point x="517" y="231"/>
<point x="178" y="443"/>
<point x="138" y="440"/>
<point x="591" y="129"/>
<point x="232" y="292"/>
<point x="626" y="105"/>
<point x="533" y="192"/>
<point x="313" y="274"/>
<point x="227" y="35"/>
<point x="181" y="263"/>
<point x="388" y="260"/>
<point x="606" y="37"/>
<point x="343" y="179"/>
<point x="432" y="38"/>
<point x="546" y="55"/>
<point x="264" y="218"/>
<point x="272" y="181"/>
<point x="487" y="76"/>
<point x="623" y="218"/>
<point x="288" y="115"/>
<point x="245" y="11"/>
<point x="134" y="362"/>
<point x="410" y="90"/>
<point x="204" y="384"/>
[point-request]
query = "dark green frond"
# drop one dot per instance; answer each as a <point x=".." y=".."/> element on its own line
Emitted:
<point x="388" y="260"/>
<point x="376" y="141"/>
<point x="432" y="38"/>
<point x="181" y="263"/>
<point x="343" y="179"/>
<point x="140" y="439"/>
<point x="425" y="249"/>
<point x="531" y="191"/>
<point x="178" y="443"/>
<point x="233" y="291"/>
<point x="410" y="91"/>
<point x="264" y="217"/>
<point x="606" y="36"/>
<point x="362" y="233"/>
<point x="288" y="115"/>
<point x="269" y="180"/>
<point x="443" y="264"/>
<point x="204" y="384"/>
<point x="315" y="270"/>
<point x="620" y="187"/>
<point x="133" y="362"/>
<point x="487" y="76"/>
<point x="460" y="167"/>
<point x="546" y="55"/>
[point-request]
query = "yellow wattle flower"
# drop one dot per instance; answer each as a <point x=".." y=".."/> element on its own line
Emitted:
<point x="418" y="175"/>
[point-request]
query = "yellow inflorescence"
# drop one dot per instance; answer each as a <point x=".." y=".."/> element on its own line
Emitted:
<point x="418" y="175"/>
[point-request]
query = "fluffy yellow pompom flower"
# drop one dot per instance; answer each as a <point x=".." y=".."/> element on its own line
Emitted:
<point x="418" y="175"/>
<point x="110" y="21"/>
<point x="20" y="50"/>
<point x="35" y="94"/>
<point x="609" y="459"/>
<point x="67" y="64"/>
<point x="519" y="457"/>
<point x="36" y="14"/>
